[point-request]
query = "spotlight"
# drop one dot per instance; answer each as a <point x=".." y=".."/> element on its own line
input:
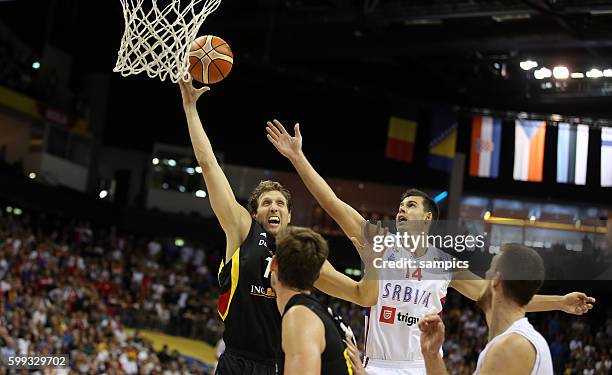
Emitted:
<point x="36" y="65"/>
<point x="577" y="75"/>
<point x="190" y="170"/>
<point x="182" y="188"/>
<point x="198" y="169"/>
<point x="103" y="194"/>
<point x="172" y="162"/>
<point x="179" y="242"/>
<point x="560" y="72"/>
<point x="607" y="73"/>
<point x="528" y="64"/>
<point x="32" y="175"/>
<point x="9" y="209"/>
<point x="200" y="194"/>
<point x="594" y="73"/>
<point x="155" y="161"/>
<point x="542" y="73"/>
<point x="17" y="211"/>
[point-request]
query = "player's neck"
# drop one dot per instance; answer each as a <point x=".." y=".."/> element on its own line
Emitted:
<point x="283" y="295"/>
<point x="501" y="316"/>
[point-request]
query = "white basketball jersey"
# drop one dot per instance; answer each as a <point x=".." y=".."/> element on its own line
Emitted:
<point x="543" y="363"/>
<point x="404" y="296"/>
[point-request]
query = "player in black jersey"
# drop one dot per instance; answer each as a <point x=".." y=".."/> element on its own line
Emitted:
<point x="312" y="335"/>
<point x="247" y="303"/>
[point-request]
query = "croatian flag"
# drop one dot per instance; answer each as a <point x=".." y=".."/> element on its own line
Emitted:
<point x="606" y="157"/>
<point x="485" y="146"/>
<point x="572" y="153"/>
<point x="529" y="139"/>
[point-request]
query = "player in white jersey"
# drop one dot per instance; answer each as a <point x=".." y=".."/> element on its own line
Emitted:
<point x="514" y="347"/>
<point x="396" y="301"/>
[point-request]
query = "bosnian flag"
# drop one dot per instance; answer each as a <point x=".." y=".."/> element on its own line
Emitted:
<point x="572" y="153"/>
<point x="485" y="146"/>
<point x="529" y="139"/>
<point x="606" y="156"/>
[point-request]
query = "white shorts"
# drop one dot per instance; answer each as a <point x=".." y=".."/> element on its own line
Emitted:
<point x="383" y="367"/>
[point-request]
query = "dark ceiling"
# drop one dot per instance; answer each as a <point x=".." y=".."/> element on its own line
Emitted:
<point x="340" y="65"/>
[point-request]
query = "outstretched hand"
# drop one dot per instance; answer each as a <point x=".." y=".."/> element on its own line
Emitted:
<point x="289" y="146"/>
<point x="189" y="93"/>
<point x="577" y="303"/>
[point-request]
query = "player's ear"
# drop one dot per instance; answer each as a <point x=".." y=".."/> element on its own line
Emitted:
<point x="428" y="216"/>
<point x="289" y="218"/>
<point x="274" y="264"/>
<point x="496" y="280"/>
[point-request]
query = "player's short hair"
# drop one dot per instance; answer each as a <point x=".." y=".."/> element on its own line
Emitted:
<point x="522" y="272"/>
<point x="264" y="187"/>
<point x="428" y="203"/>
<point x="300" y="253"/>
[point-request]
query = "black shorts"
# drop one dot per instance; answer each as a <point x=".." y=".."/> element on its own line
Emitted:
<point x="235" y="364"/>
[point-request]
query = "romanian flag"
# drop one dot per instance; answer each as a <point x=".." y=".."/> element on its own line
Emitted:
<point x="529" y="150"/>
<point x="572" y="152"/>
<point x="400" y="141"/>
<point x="443" y="139"/>
<point x="485" y="146"/>
<point x="606" y="157"/>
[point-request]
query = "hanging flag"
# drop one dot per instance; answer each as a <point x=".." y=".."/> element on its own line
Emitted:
<point x="606" y="156"/>
<point x="400" y="141"/>
<point x="572" y="152"/>
<point x="485" y="146"/>
<point x="529" y="150"/>
<point x="443" y="139"/>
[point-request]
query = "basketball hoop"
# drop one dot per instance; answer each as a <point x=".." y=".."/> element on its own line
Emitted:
<point x="157" y="40"/>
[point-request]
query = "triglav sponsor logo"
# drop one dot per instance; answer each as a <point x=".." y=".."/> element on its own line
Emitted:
<point x="387" y="315"/>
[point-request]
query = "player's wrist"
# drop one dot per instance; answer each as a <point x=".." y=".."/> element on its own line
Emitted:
<point x="431" y="355"/>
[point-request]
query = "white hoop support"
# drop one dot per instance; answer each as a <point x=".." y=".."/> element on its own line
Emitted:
<point x="157" y="41"/>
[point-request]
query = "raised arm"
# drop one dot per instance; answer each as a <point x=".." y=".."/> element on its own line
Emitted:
<point x="363" y="293"/>
<point x="234" y="219"/>
<point x="471" y="286"/>
<point x="303" y="341"/>
<point x="290" y="147"/>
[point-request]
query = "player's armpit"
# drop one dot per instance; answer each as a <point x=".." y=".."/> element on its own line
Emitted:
<point x="512" y="355"/>
<point x="303" y="341"/>
<point x="468" y="284"/>
<point x="337" y="284"/>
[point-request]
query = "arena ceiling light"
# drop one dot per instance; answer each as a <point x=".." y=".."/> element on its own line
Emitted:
<point x="594" y="73"/>
<point x="155" y="161"/>
<point x="35" y="65"/>
<point x="198" y="169"/>
<point x="528" y="64"/>
<point x="103" y="194"/>
<point x="560" y="72"/>
<point x="32" y="175"/>
<point x="607" y="73"/>
<point x="200" y="194"/>
<point x="577" y="75"/>
<point x="542" y="73"/>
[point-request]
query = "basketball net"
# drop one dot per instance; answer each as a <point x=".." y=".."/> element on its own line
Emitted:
<point x="157" y="41"/>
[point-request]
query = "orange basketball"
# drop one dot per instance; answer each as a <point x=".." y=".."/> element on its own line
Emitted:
<point x="210" y="59"/>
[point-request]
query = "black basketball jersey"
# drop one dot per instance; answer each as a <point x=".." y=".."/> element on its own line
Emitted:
<point x="334" y="359"/>
<point x="247" y="303"/>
